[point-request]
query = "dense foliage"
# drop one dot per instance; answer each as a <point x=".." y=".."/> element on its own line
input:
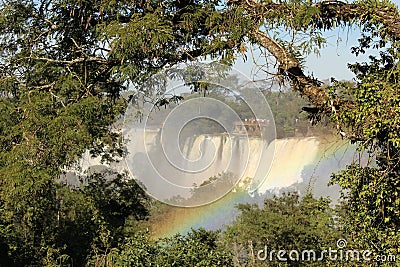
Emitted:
<point x="63" y="68"/>
<point x="198" y="248"/>
<point x="283" y="223"/>
<point x="372" y="120"/>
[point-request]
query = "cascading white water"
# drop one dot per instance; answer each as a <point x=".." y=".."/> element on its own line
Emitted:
<point x="257" y="165"/>
<point x="290" y="157"/>
<point x="301" y="164"/>
<point x="250" y="159"/>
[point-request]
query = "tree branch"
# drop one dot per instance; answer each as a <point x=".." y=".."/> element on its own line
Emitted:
<point x="291" y="67"/>
<point x="69" y="62"/>
<point x="328" y="12"/>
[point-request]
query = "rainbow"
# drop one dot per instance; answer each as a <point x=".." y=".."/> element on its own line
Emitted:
<point x="299" y="164"/>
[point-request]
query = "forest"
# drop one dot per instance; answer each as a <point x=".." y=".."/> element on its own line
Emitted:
<point x="69" y="70"/>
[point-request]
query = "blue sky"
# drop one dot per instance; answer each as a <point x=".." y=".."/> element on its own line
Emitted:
<point x="333" y="59"/>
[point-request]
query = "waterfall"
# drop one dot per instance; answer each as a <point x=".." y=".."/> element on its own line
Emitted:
<point x="269" y="168"/>
<point x="261" y="169"/>
<point x="256" y="165"/>
<point x="274" y="165"/>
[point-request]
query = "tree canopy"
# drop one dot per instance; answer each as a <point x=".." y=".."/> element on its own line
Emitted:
<point x="64" y="65"/>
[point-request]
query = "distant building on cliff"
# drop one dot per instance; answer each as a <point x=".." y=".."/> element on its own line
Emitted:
<point x="251" y="127"/>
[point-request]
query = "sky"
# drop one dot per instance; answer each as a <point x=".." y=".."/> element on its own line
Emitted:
<point x="333" y="59"/>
